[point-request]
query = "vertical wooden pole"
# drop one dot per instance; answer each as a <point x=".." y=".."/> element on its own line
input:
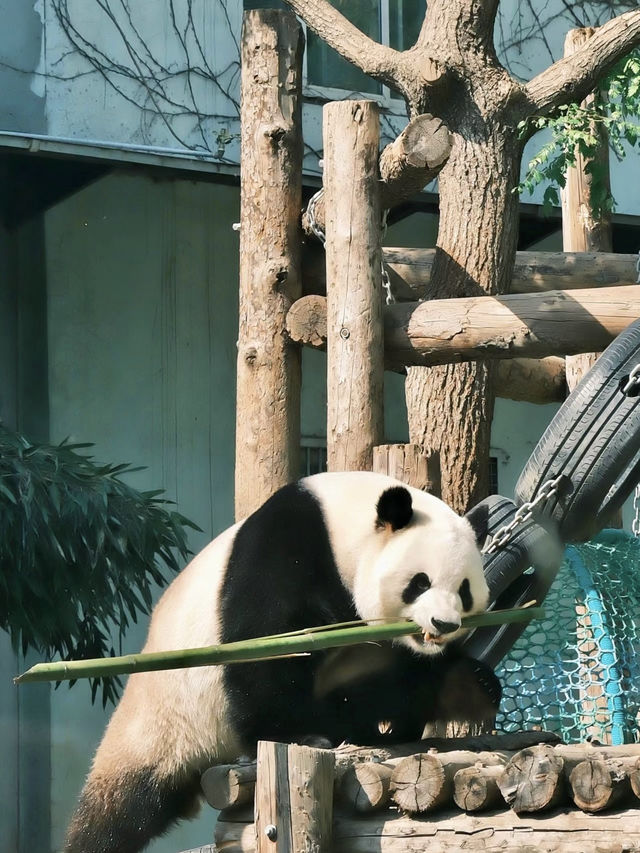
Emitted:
<point x="355" y="348"/>
<point x="294" y="798"/>
<point x="409" y="463"/>
<point x="268" y="387"/>
<point x="581" y="231"/>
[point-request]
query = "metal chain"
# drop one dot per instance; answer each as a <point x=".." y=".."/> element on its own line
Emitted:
<point x="386" y="281"/>
<point x="633" y="381"/>
<point x="319" y="233"/>
<point x="635" y="524"/>
<point x="311" y="216"/>
<point x="523" y="514"/>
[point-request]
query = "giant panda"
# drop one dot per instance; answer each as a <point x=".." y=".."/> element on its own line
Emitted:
<point x="332" y="547"/>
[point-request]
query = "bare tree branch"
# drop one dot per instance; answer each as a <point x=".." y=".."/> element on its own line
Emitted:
<point x="572" y="78"/>
<point x="375" y="59"/>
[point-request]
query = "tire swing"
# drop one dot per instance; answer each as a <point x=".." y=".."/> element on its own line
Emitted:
<point x="578" y="671"/>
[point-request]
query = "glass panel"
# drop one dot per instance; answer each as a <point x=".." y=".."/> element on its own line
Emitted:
<point x="264" y="4"/>
<point x="326" y="68"/>
<point x="405" y="20"/>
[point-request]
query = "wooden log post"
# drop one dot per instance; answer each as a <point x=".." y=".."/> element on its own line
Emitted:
<point x="535" y="380"/>
<point x="294" y="798"/>
<point x="526" y="325"/>
<point x="355" y="357"/>
<point x="597" y="784"/>
<point x="582" y="230"/>
<point x="365" y="787"/>
<point x="534" y="271"/>
<point x="634" y="778"/>
<point x="533" y="780"/>
<point x="418" y="784"/>
<point x="268" y="367"/>
<point x="424" y="782"/>
<point x="410" y="464"/>
<point x="476" y="788"/>
<point x="228" y="786"/>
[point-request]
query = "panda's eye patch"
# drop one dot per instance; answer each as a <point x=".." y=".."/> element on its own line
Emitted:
<point x="465" y="595"/>
<point x="417" y="585"/>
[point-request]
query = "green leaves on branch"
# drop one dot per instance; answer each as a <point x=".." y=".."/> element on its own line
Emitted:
<point x="80" y="550"/>
<point x="575" y="128"/>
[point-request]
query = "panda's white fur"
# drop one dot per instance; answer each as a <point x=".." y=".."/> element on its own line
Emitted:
<point x="377" y="568"/>
<point x="169" y="726"/>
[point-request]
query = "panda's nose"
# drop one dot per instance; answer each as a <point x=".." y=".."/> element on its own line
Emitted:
<point x="445" y="627"/>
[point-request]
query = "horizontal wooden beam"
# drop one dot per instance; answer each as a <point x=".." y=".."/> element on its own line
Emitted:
<point x="534" y="272"/>
<point x="532" y="380"/>
<point x="527" y="325"/>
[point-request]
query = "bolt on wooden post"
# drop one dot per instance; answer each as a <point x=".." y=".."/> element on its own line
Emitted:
<point x="294" y="798"/>
<point x="355" y="349"/>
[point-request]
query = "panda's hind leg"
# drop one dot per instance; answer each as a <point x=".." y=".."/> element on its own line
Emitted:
<point x="122" y="814"/>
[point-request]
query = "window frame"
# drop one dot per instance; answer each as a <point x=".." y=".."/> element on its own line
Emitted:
<point x="314" y="92"/>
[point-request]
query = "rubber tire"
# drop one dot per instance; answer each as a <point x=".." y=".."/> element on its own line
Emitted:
<point x="490" y="645"/>
<point x="531" y="546"/>
<point x="593" y="442"/>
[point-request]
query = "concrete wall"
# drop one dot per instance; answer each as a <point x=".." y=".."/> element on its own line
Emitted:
<point x="142" y="329"/>
<point x="24" y="714"/>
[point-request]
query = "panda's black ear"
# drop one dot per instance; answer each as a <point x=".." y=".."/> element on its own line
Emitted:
<point x="394" y="508"/>
<point x="478" y="518"/>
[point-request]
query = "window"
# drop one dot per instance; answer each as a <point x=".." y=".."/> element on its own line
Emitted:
<point x="393" y="22"/>
<point x="313" y="455"/>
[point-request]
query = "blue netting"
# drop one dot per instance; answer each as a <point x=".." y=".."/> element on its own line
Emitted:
<point x="578" y="671"/>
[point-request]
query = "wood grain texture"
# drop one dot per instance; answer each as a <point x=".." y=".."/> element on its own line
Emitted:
<point x="294" y="799"/>
<point x="268" y="365"/>
<point x="410" y="464"/>
<point x="355" y="367"/>
<point x="582" y="230"/>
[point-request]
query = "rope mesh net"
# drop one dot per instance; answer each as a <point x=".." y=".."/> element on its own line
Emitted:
<point x="578" y="671"/>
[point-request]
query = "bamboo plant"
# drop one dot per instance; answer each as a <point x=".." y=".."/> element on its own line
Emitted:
<point x="80" y="550"/>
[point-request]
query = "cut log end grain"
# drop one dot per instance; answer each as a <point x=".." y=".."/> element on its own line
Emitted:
<point x="365" y="787"/>
<point x="533" y="780"/>
<point x="597" y="784"/>
<point x="418" y="783"/>
<point x="476" y="788"/>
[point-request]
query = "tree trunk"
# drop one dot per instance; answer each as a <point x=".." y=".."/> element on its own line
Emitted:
<point x="451" y="407"/>
<point x="582" y="231"/>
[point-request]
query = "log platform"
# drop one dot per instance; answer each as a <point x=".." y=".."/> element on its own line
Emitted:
<point x="518" y="791"/>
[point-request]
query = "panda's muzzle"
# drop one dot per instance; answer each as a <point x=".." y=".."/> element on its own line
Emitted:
<point x="445" y="627"/>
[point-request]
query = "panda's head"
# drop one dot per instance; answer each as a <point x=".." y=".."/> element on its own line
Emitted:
<point x="428" y="568"/>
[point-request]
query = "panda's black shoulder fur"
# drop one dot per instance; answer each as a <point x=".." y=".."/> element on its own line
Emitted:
<point x="281" y="574"/>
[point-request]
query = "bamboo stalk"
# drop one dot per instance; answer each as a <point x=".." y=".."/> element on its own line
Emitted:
<point x="259" y="648"/>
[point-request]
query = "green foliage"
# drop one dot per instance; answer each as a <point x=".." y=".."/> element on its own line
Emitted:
<point x="80" y="550"/>
<point x="577" y="128"/>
